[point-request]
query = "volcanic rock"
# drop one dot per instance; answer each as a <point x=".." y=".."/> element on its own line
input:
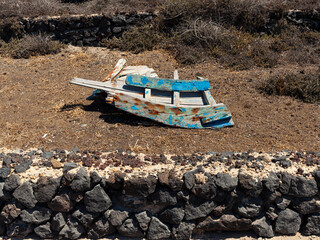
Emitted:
<point x="130" y="228"/>
<point x="157" y="230"/>
<point x="97" y="200"/>
<point x="262" y="228"/>
<point x="288" y="222"/>
<point x="46" y="188"/>
<point x="226" y="182"/>
<point x="36" y="215"/>
<point x="183" y="231"/>
<point x="24" y="195"/>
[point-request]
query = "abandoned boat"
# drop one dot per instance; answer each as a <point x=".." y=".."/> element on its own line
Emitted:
<point x="174" y="102"/>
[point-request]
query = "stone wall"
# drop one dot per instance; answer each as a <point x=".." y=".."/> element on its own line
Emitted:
<point x="77" y="201"/>
<point x="84" y="30"/>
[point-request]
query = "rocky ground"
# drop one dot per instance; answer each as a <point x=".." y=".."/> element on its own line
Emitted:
<point x="95" y="194"/>
<point x="39" y="108"/>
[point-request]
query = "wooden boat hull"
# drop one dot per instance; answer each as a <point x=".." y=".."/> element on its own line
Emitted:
<point x="207" y="116"/>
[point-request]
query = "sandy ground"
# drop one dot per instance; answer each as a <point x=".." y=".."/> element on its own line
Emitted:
<point x="39" y="108"/>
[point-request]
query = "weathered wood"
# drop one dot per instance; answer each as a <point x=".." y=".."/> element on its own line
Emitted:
<point x="209" y="99"/>
<point x="167" y="84"/>
<point x="147" y="93"/>
<point x="176" y="94"/>
<point x="186" y="117"/>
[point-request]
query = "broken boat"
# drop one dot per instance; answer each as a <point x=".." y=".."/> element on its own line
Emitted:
<point x="180" y="103"/>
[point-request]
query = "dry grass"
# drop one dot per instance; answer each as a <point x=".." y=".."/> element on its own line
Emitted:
<point x="30" y="45"/>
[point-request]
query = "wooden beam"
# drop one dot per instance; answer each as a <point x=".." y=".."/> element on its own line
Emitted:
<point x="208" y="97"/>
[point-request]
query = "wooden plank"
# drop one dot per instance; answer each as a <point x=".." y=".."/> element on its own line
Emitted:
<point x="168" y="84"/>
<point x="147" y="93"/>
<point x="209" y="99"/>
<point x="186" y="117"/>
<point x="176" y="94"/>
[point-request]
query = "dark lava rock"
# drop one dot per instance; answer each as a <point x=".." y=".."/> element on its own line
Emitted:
<point x="22" y="167"/>
<point x="47" y="155"/>
<point x="97" y="200"/>
<point x="250" y="207"/>
<point x="283" y="203"/>
<point x="288" y="222"/>
<point x="84" y="217"/>
<point x="307" y="206"/>
<point x="71" y="230"/>
<point x="207" y="190"/>
<point x="60" y="203"/>
<point x="46" y="188"/>
<point x="316" y="175"/>
<point x="116" y="217"/>
<point x="189" y="179"/>
<point x="196" y="210"/>
<point x="251" y="185"/>
<point x="9" y="213"/>
<point x="285" y="182"/>
<point x="140" y="186"/>
<point x="100" y="229"/>
<point x="285" y="163"/>
<point x="169" y="178"/>
<point x="143" y="220"/>
<point x="313" y="225"/>
<point x="130" y="228"/>
<point x="19" y="229"/>
<point x="58" y="221"/>
<point x="68" y="166"/>
<point x="172" y="216"/>
<point x="183" y="231"/>
<point x="164" y="196"/>
<point x="24" y="195"/>
<point x="44" y="231"/>
<point x="183" y="195"/>
<point x="4" y="172"/>
<point x="157" y="230"/>
<point x="95" y="178"/>
<point x="262" y="228"/>
<point x="227" y="222"/>
<point x="272" y="182"/>
<point x="115" y="181"/>
<point x="12" y="182"/>
<point x="226" y="182"/>
<point x="302" y="187"/>
<point x="36" y="215"/>
<point x="272" y="213"/>
<point x="81" y="181"/>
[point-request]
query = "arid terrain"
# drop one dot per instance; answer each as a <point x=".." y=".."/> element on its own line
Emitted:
<point x="39" y="108"/>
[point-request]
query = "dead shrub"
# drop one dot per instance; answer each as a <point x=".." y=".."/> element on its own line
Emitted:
<point x="304" y="86"/>
<point x="136" y="40"/>
<point x="31" y="45"/>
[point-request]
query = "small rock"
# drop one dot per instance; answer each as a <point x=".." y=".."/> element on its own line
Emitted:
<point x="22" y="167"/>
<point x="189" y="179"/>
<point x="24" y="194"/>
<point x="183" y="231"/>
<point x="196" y="210"/>
<point x="47" y="155"/>
<point x="285" y="182"/>
<point x="4" y="172"/>
<point x="140" y="186"/>
<point x="100" y="229"/>
<point x="262" y="228"/>
<point x="11" y="183"/>
<point x="164" y="196"/>
<point x="9" y="213"/>
<point x="288" y="222"/>
<point x="130" y="228"/>
<point x="97" y="200"/>
<point x="71" y="230"/>
<point x="143" y="220"/>
<point x="95" y="178"/>
<point x="313" y="225"/>
<point x="226" y="182"/>
<point x="81" y="181"/>
<point x="302" y="187"/>
<point x="173" y="216"/>
<point x="250" y="207"/>
<point x="283" y="203"/>
<point x="272" y="182"/>
<point x="68" y="166"/>
<point x="116" y="217"/>
<point x="84" y="217"/>
<point x="46" y="188"/>
<point x="44" y="231"/>
<point x="57" y="222"/>
<point x="251" y="185"/>
<point x="307" y="205"/>
<point x="60" y="203"/>
<point x="36" y="215"/>
<point x="19" y="229"/>
<point x="207" y="190"/>
<point x="157" y="230"/>
<point x="226" y="222"/>
<point x="56" y="164"/>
